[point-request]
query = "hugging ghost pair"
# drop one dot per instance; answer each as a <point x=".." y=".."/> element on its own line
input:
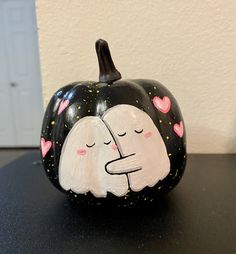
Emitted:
<point x="121" y="150"/>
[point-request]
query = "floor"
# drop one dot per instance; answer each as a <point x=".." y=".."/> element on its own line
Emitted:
<point x="11" y="154"/>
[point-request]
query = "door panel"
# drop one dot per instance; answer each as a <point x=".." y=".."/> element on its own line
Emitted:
<point x="19" y="32"/>
<point x="7" y="133"/>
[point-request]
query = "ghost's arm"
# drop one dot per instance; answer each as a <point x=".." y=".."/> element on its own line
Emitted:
<point x="123" y="165"/>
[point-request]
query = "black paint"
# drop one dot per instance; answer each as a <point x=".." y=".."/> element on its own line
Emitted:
<point x="108" y="72"/>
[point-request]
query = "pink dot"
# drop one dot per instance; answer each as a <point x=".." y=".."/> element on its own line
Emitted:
<point x="114" y="147"/>
<point x="81" y="151"/>
<point x="148" y="134"/>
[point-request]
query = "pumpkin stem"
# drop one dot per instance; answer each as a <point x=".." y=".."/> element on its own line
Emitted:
<point x="108" y="72"/>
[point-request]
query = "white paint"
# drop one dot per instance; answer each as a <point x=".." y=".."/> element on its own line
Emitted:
<point x="189" y="46"/>
<point x="147" y="149"/>
<point x="83" y="173"/>
<point x="20" y="87"/>
<point x="91" y="162"/>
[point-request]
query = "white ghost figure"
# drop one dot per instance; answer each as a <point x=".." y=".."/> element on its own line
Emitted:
<point x="87" y="148"/>
<point x="143" y="153"/>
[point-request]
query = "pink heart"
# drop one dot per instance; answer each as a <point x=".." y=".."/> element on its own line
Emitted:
<point x="45" y="146"/>
<point x="163" y="104"/>
<point x="179" y="129"/>
<point x="63" y="105"/>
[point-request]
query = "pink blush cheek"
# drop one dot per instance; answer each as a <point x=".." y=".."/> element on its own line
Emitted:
<point x="81" y="151"/>
<point x="148" y="134"/>
<point x="114" y="147"/>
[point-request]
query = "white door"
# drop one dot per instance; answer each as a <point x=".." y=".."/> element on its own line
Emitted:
<point x="21" y="107"/>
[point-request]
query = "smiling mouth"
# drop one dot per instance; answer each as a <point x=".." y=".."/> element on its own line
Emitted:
<point x="122" y="165"/>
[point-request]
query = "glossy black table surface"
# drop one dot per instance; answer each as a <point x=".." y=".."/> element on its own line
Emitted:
<point x="198" y="216"/>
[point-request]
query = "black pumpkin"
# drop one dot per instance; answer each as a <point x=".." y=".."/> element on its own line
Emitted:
<point x="78" y="100"/>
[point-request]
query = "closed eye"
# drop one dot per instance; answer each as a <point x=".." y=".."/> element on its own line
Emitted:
<point x="138" y="131"/>
<point x="121" y="135"/>
<point x="107" y="143"/>
<point x="90" y="145"/>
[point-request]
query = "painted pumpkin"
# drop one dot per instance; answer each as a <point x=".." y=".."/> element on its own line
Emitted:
<point x="113" y="141"/>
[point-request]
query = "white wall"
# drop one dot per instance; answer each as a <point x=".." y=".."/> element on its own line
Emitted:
<point x="190" y="46"/>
